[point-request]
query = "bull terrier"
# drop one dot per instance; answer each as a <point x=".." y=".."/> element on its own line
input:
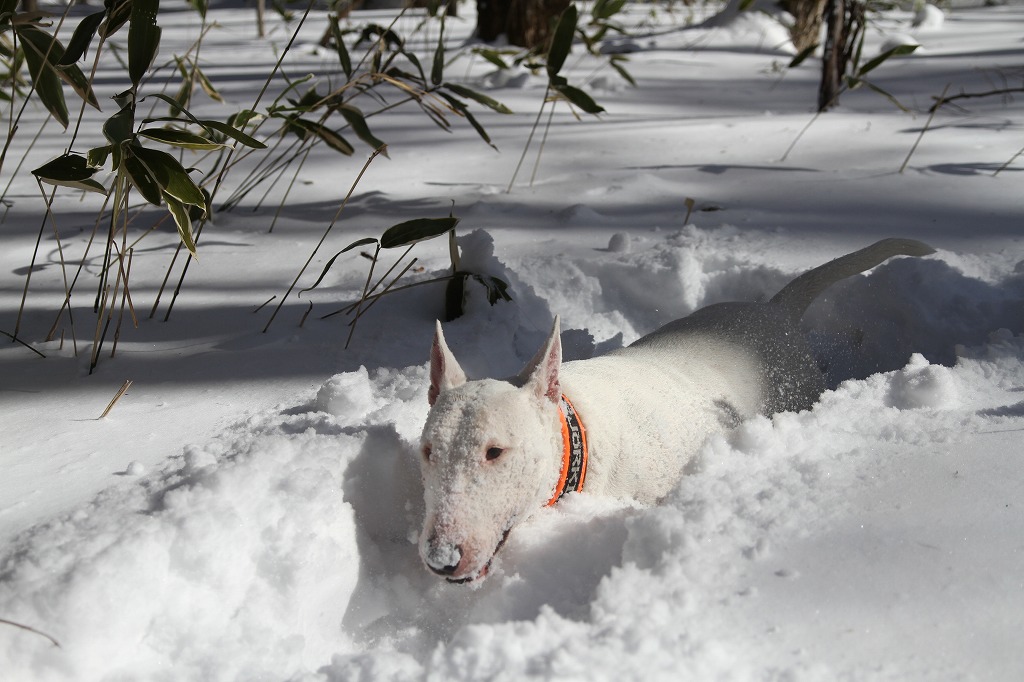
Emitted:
<point x="623" y="424"/>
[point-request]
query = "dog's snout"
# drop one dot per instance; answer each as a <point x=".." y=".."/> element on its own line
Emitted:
<point x="443" y="559"/>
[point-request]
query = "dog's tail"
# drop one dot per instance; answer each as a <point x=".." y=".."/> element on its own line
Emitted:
<point x="801" y="292"/>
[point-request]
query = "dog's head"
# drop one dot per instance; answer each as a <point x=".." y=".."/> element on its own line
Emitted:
<point x="491" y="455"/>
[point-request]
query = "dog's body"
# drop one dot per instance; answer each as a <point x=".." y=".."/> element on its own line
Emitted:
<point x="495" y="451"/>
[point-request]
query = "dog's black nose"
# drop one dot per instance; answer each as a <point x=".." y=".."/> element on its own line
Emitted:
<point x="444" y="559"/>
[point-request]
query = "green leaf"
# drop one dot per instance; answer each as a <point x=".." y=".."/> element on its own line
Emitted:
<point x="70" y="170"/>
<point x="97" y="158"/>
<point x="143" y="38"/>
<point x="463" y="91"/>
<point x="579" y="99"/>
<point x="44" y="77"/>
<point x="180" y="138"/>
<point x="81" y="38"/>
<point x="614" y="62"/>
<point x="885" y="94"/>
<point x="463" y="110"/>
<point x="455" y="297"/>
<point x="389" y="37"/>
<point x="211" y="125"/>
<point x="746" y="4"/>
<point x="804" y="54"/>
<point x="119" y="11"/>
<point x="561" y="40"/>
<point x="183" y="221"/>
<point x="201" y="6"/>
<point x="898" y="51"/>
<point x="170" y="175"/>
<point x="118" y="128"/>
<point x="356" y="119"/>
<point x="306" y="129"/>
<point x="339" y="44"/>
<point x="242" y="118"/>
<point x="412" y="231"/>
<point x="43" y="54"/>
<point x="207" y="86"/>
<point x="437" y="71"/>
<point x="142" y="180"/>
<point x="497" y="289"/>
<point x="230" y="131"/>
<point x="356" y="244"/>
<point x="493" y="56"/>
<point x="606" y="9"/>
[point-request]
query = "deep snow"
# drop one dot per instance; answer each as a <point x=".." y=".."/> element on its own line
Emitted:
<point x="249" y="509"/>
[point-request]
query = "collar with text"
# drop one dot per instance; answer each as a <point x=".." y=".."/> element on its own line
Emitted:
<point x="574" y="452"/>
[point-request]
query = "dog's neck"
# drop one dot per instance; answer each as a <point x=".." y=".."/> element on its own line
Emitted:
<point x="575" y="452"/>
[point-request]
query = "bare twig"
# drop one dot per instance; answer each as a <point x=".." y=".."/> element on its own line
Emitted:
<point x="30" y="629"/>
<point x="942" y="100"/>
<point x="927" y="125"/>
<point x="117" y="396"/>
<point x="1007" y="164"/>
<point x="15" y="339"/>
<point x="327" y="232"/>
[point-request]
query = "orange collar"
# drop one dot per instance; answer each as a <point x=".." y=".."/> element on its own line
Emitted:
<point x="574" y="452"/>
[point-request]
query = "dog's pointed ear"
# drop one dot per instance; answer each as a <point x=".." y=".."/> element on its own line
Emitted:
<point x="541" y="373"/>
<point x="445" y="372"/>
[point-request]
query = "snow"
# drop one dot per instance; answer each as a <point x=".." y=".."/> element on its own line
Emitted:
<point x="249" y="509"/>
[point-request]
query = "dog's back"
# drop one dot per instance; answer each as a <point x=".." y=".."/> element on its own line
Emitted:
<point x="787" y="375"/>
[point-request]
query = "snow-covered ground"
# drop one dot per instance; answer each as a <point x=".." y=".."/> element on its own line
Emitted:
<point x="248" y="511"/>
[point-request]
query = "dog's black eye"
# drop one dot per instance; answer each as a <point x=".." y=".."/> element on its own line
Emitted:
<point x="426" y="452"/>
<point x="494" y="453"/>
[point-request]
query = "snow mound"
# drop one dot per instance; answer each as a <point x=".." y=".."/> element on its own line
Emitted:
<point x="286" y="549"/>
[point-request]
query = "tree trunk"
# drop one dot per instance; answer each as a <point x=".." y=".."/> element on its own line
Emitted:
<point x="526" y="23"/>
<point x="833" y="65"/>
<point x="807" y="16"/>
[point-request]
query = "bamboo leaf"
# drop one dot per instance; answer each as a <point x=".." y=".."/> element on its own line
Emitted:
<point x="43" y="53"/>
<point x="497" y="289"/>
<point x="47" y="84"/>
<point x="804" y="54"/>
<point x="356" y="119"/>
<point x="211" y="125"/>
<point x="306" y="129"/>
<point x="885" y="94"/>
<point x="898" y="51"/>
<point x="356" y="244"/>
<point x="81" y="38"/>
<point x="579" y="98"/>
<point x="437" y="71"/>
<point x="561" y="40"/>
<point x="142" y="180"/>
<point x="170" y="175"/>
<point x="493" y="56"/>
<point x="339" y="44"/>
<point x="97" y="158"/>
<point x="412" y="231"/>
<point x="118" y="128"/>
<point x="606" y="9"/>
<point x="488" y="102"/>
<point x="463" y="110"/>
<point x="207" y="86"/>
<point x="180" y="138"/>
<point x="389" y="37"/>
<point x="143" y="38"/>
<point x="70" y="170"/>
<point x="614" y="62"/>
<point x="119" y="12"/>
<point x="183" y="221"/>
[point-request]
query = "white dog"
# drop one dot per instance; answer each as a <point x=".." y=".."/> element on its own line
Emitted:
<point x="624" y="424"/>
